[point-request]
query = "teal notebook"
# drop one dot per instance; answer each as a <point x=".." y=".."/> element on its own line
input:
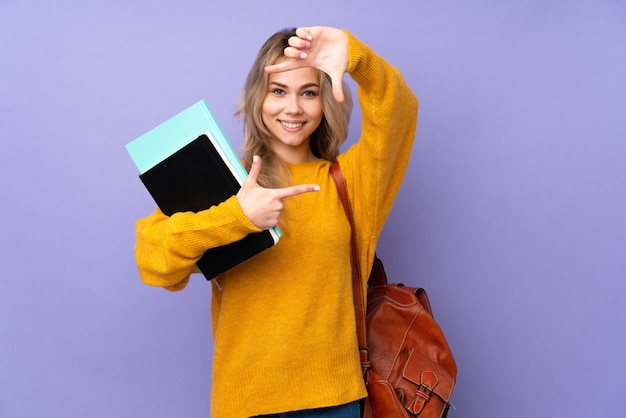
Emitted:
<point x="187" y="164"/>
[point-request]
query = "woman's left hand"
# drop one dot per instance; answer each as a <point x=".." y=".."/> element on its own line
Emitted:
<point x="320" y="47"/>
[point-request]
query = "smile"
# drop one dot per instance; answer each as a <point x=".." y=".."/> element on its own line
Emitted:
<point x="291" y="125"/>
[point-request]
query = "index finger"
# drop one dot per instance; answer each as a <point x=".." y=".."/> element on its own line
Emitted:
<point x="296" y="190"/>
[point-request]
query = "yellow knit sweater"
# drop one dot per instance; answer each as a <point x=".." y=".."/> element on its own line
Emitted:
<point x="283" y="322"/>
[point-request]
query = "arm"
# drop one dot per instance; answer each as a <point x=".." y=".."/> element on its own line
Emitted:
<point x="168" y="247"/>
<point x="375" y="166"/>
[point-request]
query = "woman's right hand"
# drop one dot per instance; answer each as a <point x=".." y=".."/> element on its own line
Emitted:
<point x="264" y="206"/>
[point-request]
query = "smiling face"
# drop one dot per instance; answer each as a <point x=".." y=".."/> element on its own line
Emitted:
<point x="292" y="111"/>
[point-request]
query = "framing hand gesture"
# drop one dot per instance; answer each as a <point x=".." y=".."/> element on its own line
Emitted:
<point x="320" y="47"/>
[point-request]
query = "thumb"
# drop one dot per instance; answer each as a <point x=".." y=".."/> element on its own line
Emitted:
<point x="285" y="65"/>
<point x="337" y="82"/>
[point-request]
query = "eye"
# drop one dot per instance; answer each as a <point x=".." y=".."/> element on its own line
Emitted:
<point x="309" y="93"/>
<point x="277" y="91"/>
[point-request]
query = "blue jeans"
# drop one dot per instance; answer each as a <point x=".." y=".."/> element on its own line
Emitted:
<point x="349" y="410"/>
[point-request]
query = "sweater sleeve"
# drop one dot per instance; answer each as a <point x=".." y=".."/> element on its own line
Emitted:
<point x="374" y="167"/>
<point x="168" y="247"/>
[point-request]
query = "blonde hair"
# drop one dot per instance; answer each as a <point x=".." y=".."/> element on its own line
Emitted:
<point x="325" y="140"/>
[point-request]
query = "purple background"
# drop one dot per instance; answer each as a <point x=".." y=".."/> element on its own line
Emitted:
<point x="512" y="214"/>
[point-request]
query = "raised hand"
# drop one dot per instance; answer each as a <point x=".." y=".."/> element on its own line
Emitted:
<point x="320" y="47"/>
<point x="264" y="206"/>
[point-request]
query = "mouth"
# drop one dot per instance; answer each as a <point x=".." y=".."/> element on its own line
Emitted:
<point x="291" y="125"/>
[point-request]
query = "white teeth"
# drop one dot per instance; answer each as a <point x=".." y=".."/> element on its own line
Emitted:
<point x="291" y="125"/>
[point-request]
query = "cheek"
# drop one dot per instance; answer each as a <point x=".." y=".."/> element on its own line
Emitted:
<point x="267" y="114"/>
<point x="269" y="107"/>
<point x="315" y="113"/>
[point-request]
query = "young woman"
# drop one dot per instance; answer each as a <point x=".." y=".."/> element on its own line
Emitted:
<point x="283" y="321"/>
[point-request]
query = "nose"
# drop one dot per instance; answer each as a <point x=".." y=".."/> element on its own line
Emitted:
<point x="293" y="105"/>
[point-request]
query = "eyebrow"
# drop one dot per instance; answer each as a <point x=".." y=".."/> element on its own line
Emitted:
<point x="302" y="87"/>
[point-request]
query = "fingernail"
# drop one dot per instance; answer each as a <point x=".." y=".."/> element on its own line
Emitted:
<point x="303" y="55"/>
<point x="255" y="159"/>
<point x="316" y="188"/>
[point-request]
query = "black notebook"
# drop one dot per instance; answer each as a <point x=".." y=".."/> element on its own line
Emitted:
<point x="200" y="174"/>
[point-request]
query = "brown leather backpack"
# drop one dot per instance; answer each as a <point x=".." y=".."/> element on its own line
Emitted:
<point x="412" y="371"/>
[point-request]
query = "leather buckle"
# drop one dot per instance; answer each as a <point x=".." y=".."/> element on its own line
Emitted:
<point x="423" y="392"/>
<point x="365" y="363"/>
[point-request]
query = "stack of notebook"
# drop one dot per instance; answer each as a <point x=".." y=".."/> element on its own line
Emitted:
<point x="187" y="164"/>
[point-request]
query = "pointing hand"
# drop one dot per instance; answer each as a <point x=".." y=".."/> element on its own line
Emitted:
<point x="264" y="206"/>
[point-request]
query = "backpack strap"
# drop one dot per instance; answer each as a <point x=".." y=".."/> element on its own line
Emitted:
<point x="357" y="287"/>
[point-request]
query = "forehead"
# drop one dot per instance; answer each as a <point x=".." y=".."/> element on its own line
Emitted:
<point x="295" y="78"/>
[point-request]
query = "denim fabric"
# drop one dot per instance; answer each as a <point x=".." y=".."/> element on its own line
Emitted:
<point x="349" y="410"/>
